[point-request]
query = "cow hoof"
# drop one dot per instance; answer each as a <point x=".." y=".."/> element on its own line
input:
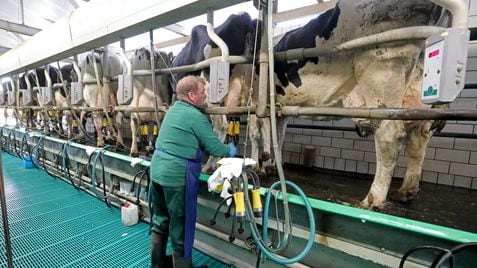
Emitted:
<point x="149" y="149"/>
<point x="271" y="171"/>
<point x="134" y="154"/>
<point x="372" y="206"/>
<point x="402" y="197"/>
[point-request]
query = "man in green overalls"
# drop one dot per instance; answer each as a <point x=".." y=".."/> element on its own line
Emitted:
<point x="175" y="168"/>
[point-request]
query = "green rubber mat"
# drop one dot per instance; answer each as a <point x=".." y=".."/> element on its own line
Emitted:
<point x="54" y="225"/>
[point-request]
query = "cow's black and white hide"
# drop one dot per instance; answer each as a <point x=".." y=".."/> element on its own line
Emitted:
<point x="384" y="75"/>
<point x="62" y="95"/>
<point x="103" y="92"/>
<point x="143" y="95"/>
<point x="36" y="80"/>
<point x="238" y="32"/>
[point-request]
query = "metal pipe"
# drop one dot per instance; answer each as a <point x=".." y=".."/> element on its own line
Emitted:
<point x="77" y="70"/>
<point x="263" y="77"/>
<point x="210" y="16"/>
<point x="227" y="110"/>
<point x="126" y="63"/>
<point x="409" y="33"/>
<point x="139" y="109"/>
<point x="372" y="113"/>
<point x="219" y="42"/>
<point x="3" y="203"/>
<point x="202" y="65"/>
<point x="278" y="154"/>
<point x="459" y="11"/>
<point x="153" y="77"/>
<point x="381" y="113"/>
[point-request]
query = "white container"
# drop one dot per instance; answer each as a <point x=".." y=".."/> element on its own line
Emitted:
<point x="129" y="214"/>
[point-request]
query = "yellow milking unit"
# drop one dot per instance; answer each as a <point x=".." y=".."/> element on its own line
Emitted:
<point x="239" y="206"/>
<point x="233" y="130"/>
<point x="143" y="139"/>
<point x="75" y="126"/>
<point x="152" y="138"/>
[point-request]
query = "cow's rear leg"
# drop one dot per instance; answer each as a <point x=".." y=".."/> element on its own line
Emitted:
<point x="98" y="124"/>
<point x="118" y="121"/>
<point x="416" y="144"/>
<point x="387" y="143"/>
<point x="134" y="132"/>
<point x="254" y="139"/>
<point x="265" y="129"/>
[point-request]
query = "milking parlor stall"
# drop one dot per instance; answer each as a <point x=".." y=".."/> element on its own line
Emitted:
<point x="354" y="122"/>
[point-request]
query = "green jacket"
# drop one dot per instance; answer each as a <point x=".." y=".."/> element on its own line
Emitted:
<point x="183" y="130"/>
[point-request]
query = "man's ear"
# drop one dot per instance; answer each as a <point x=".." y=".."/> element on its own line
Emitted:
<point x="190" y="95"/>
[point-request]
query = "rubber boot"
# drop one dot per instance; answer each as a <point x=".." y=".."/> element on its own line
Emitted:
<point x="158" y="251"/>
<point x="179" y="261"/>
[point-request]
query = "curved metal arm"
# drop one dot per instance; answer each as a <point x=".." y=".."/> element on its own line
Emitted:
<point x="459" y="11"/>
<point x="219" y="42"/>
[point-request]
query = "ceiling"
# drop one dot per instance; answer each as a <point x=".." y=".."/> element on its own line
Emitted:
<point x="20" y="19"/>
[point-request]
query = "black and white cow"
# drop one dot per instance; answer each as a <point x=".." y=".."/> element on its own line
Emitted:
<point x="40" y="78"/>
<point x="238" y="32"/>
<point x="143" y="95"/>
<point x="103" y="93"/>
<point x="384" y="75"/>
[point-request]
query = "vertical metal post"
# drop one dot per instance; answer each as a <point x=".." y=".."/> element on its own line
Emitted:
<point x="122" y="43"/>
<point x="210" y="16"/>
<point x="264" y="61"/>
<point x="3" y="203"/>
<point x="22" y="12"/>
<point x="153" y="74"/>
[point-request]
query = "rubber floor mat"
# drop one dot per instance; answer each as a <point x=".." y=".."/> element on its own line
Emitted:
<point x="54" y="225"/>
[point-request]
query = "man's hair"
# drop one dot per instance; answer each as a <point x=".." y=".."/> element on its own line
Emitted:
<point x="188" y="84"/>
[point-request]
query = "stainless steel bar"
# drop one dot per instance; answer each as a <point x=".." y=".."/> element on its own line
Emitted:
<point x="378" y="113"/>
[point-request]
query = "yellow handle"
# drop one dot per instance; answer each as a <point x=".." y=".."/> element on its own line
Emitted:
<point x="257" y="202"/>
<point x="239" y="204"/>
<point x="230" y="129"/>
<point x="236" y="127"/>
<point x="144" y="130"/>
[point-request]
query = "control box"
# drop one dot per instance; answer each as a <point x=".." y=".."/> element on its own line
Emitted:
<point x="219" y="81"/>
<point x="3" y="95"/>
<point x="444" y="66"/>
<point x="125" y="89"/>
<point x="26" y="97"/>
<point x="76" y="93"/>
<point x="12" y="98"/>
<point x="47" y="95"/>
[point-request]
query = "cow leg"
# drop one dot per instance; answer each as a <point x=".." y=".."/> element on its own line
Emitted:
<point x="69" y="119"/>
<point x="134" y="132"/>
<point x="81" y="133"/>
<point x="98" y="124"/>
<point x="254" y="136"/>
<point x="416" y="144"/>
<point x="265" y="129"/>
<point x="387" y="143"/>
<point x="118" y="121"/>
